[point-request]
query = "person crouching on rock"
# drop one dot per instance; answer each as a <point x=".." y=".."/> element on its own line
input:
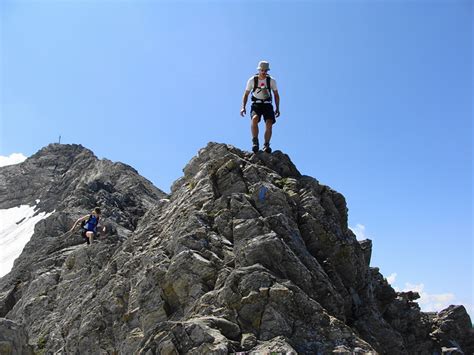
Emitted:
<point x="89" y="225"/>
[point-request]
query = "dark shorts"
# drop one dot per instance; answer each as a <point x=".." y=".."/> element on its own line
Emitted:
<point x="265" y="110"/>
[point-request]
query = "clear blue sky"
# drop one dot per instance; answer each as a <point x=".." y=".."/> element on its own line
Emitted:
<point x="376" y="102"/>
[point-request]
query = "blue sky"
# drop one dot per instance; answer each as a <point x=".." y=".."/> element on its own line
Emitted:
<point x="376" y="102"/>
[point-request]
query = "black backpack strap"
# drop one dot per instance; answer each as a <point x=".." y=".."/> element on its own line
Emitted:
<point x="269" y="86"/>
<point x="255" y="86"/>
<point x="255" y="83"/>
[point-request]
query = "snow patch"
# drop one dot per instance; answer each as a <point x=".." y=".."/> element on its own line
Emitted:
<point x="16" y="228"/>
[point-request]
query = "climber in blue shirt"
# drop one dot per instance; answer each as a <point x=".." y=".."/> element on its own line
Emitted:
<point x="89" y="225"/>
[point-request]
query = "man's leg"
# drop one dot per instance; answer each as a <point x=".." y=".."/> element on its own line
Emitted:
<point x="269" y="117"/>
<point x="90" y="235"/>
<point x="254" y="126"/>
<point x="84" y="236"/>
<point x="268" y="131"/>
<point x="254" y="130"/>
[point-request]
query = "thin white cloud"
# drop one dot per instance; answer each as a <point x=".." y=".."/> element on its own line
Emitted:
<point x="431" y="302"/>
<point x="13" y="158"/>
<point x="359" y="231"/>
<point x="391" y="278"/>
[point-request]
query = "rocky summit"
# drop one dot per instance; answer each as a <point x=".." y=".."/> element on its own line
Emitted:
<point x="245" y="255"/>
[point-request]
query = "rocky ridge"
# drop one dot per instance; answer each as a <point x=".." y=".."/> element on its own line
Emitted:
<point x="245" y="255"/>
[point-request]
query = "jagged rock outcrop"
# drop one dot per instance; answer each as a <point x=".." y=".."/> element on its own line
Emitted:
<point x="452" y="329"/>
<point x="246" y="254"/>
<point x="71" y="181"/>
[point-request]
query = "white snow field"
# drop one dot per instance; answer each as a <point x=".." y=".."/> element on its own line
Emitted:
<point x="17" y="225"/>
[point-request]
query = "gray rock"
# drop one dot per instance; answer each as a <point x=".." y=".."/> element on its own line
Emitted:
<point x="246" y="254"/>
<point x="277" y="345"/>
<point x="452" y="329"/>
<point x="248" y="341"/>
<point x="13" y="339"/>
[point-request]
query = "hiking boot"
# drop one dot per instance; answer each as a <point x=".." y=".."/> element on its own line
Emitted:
<point x="255" y="145"/>
<point x="266" y="148"/>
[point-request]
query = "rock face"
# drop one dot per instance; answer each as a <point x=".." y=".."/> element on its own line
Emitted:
<point x="71" y="181"/>
<point x="245" y="255"/>
<point x="13" y="339"/>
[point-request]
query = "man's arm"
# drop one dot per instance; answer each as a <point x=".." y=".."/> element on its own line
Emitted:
<point x="243" y="111"/>
<point x="277" y="102"/>
<point x="77" y="222"/>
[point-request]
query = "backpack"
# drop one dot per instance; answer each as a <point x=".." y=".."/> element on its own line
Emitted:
<point x="255" y="87"/>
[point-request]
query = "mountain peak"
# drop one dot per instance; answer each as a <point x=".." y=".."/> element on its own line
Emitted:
<point x="215" y="152"/>
<point x="246" y="254"/>
<point x="62" y="153"/>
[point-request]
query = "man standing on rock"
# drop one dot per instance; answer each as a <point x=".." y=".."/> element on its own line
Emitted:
<point x="261" y="85"/>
